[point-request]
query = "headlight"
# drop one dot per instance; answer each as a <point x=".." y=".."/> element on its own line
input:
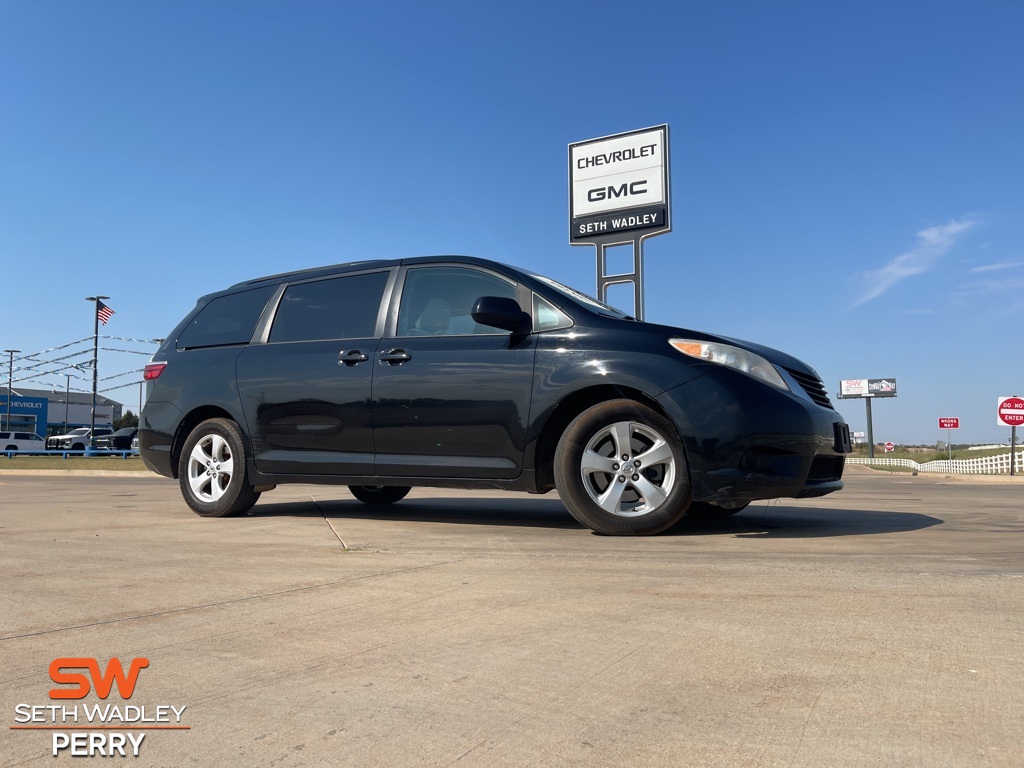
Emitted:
<point x="733" y="357"/>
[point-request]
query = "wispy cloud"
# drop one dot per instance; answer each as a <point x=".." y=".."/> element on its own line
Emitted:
<point x="932" y="244"/>
<point x="990" y="301"/>
<point x="994" y="267"/>
<point x="989" y="288"/>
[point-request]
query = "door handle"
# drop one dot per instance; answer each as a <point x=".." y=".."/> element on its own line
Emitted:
<point x="395" y="357"/>
<point x="353" y="357"/>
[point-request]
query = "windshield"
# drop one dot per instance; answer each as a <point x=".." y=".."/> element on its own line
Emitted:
<point x="79" y="431"/>
<point x="582" y="298"/>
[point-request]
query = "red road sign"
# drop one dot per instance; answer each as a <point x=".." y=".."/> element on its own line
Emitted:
<point x="1011" y="411"/>
<point x="949" y="422"/>
<point x="890" y="447"/>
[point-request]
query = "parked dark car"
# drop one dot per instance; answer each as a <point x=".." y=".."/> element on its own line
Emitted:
<point x="463" y="373"/>
<point x="119" y="441"/>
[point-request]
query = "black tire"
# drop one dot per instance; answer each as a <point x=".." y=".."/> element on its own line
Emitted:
<point x="212" y="472"/>
<point x="11" y="448"/>
<point x="652" y="496"/>
<point x="705" y="511"/>
<point x="379" y="494"/>
<point x="78" y="447"/>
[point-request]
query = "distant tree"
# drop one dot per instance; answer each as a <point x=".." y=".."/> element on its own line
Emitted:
<point x="128" y="420"/>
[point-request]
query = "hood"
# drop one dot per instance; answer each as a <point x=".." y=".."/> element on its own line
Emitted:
<point x="768" y="353"/>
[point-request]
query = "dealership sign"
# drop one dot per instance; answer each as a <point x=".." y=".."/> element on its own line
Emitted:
<point x="619" y="184"/>
<point x="867" y="388"/>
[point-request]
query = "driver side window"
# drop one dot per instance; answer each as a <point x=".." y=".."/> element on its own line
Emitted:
<point x="439" y="301"/>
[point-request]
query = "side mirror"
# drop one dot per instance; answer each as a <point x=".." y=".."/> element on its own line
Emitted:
<point x="500" y="312"/>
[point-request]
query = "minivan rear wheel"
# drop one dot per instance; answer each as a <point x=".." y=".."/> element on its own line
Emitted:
<point x="620" y="469"/>
<point x="379" y="494"/>
<point x="211" y="470"/>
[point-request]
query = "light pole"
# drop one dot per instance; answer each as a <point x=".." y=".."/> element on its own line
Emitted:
<point x="95" y="359"/>
<point x="67" y="395"/>
<point x="67" y="401"/>
<point x="10" y="382"/>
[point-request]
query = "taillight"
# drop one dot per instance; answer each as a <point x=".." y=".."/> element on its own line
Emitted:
<point x="153" y="371"/>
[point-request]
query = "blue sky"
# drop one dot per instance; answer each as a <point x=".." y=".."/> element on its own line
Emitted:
<point x="846" y="178"/>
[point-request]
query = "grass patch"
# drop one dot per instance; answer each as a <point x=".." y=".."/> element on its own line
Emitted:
<point x="925" y="457"/>
<point x="881" y="468"/>
<point x="89" y="464"/>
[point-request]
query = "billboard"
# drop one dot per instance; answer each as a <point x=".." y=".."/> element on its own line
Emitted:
<point x="619" y="184"/>
<point x="867" y="388"/>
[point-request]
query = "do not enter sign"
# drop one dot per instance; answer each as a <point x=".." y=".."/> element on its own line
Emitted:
<point x="889" y="447"/>
<point x="1010" y="412"/>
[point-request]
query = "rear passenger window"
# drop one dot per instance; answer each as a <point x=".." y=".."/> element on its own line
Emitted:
<point x="339" y="308"/>
<point x="226" y="320"/>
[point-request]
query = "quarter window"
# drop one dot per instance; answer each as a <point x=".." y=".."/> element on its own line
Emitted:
<point x="546" y="316"/>
<point x="339" y="308"/>
<point x="226" y="320"/>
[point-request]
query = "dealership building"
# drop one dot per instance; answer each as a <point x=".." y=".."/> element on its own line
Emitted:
<point x="47" y="412"/>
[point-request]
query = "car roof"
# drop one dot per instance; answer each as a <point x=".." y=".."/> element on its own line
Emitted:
<point x="356" y="266"/>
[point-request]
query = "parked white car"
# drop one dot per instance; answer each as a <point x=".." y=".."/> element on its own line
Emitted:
<point x="75" y="440"/>
<point x="21" y="441"/>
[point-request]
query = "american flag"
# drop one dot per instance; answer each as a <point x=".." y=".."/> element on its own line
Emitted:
<point x="103" y="312"/>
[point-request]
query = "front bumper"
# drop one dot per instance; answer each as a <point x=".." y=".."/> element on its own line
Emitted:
<point x="746" y="440"/>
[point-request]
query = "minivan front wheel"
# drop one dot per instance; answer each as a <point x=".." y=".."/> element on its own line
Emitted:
<point x="211" y="470"/>
<point x="621" y="470"/>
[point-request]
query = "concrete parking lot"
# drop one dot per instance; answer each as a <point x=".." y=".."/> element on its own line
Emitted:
<point x="881" y="626"/>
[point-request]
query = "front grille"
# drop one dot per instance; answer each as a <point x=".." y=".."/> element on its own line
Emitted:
<point x="826" y="469"/>
<point x="813" y="386"/>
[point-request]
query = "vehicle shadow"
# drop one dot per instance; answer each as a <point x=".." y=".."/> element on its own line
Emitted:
<point x="777" y="521"/>
<point x="764" y="520"/>
<point x="521" y="512"/>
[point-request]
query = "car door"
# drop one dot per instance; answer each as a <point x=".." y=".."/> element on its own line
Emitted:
<point x="305" y="387"/>
<point x="451" y="398"/>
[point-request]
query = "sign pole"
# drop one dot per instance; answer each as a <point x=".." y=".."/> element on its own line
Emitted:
<point x="1013" y="445"/>
<point x="636" y="277"/>
<point x="871" y="432"/>
<point x="949" y="446"/>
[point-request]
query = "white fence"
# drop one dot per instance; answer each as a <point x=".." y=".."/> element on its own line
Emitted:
<point x="987" y="465"/>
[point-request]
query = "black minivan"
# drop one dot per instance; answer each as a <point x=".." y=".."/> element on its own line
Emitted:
<point x="457" y="372"/>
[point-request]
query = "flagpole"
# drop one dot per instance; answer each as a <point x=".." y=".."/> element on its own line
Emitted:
<point x="95" y="362"/>
<point x="10" y="383"/>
